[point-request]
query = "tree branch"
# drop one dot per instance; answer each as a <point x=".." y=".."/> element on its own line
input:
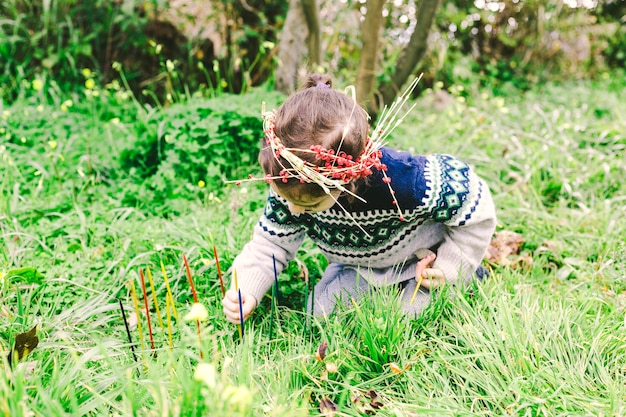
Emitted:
<point x="315" y="36"/>
<point x="370" y="34"/>
<point x="411" y="54"/>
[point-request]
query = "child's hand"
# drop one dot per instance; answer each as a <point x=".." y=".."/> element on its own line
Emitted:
<point x="431" y="278"/>
<point x="231" y="305"/>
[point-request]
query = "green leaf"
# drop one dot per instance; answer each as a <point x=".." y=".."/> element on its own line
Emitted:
<point x="26" y="275"/>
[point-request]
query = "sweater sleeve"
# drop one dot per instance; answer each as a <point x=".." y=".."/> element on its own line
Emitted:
<point x="277" y="235"/>
<point x="462" y="202"/>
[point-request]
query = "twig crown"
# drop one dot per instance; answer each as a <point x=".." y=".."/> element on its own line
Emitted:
<point x="337" y="168"/>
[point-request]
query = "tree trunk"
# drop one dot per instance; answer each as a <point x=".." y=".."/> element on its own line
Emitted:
<point x="410" y="55"/>
<point x="312" y="16"/>
<point x="370" y="33"/>
<point x="291" y="48"/>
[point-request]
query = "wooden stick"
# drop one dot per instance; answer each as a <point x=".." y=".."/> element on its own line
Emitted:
<point x="417" y="288"/>
<point x="193" y="288"/>
<point x="133" y="293"/>
<point x="169" y="291"/>
<point x="195" y="300"/>
<point x="219" y="271"/>
<point x="168" y="308"/>
<point x="145" y="301"/>
<point x="242" y="324"/>
<point x="276" y="280"/>
<point x="242" y="328"/>
<point x="130" y="338"/>
<point x="274" y="298"/>
<point x="155" y="298"/>
<point x="422" y="264"/>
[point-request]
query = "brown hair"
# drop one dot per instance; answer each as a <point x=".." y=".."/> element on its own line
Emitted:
<point x="316" y="115"/>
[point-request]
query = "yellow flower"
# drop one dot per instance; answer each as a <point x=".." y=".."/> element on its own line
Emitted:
<point x="66" y="105"/>
<point x="197" y="312"/>
<point x="201" y="184"/>
<point x="206" y="373"/>
<point x="52" y="144"/>
<point x="89" y="84"/>
<point x="37" y="84"/>
<point x="86" y="72"/>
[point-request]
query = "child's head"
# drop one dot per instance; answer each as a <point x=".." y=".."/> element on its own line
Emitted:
<point x="317" y="115"/>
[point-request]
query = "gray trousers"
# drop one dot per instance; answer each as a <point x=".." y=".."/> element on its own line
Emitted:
<point x="342" y="285"/>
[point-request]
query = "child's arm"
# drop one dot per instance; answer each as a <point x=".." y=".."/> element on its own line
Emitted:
<point x="275" y="241"/>
<point x="470" y="226"/>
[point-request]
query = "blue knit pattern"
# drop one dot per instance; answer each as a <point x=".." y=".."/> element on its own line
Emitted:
<point x="435" y="188"/>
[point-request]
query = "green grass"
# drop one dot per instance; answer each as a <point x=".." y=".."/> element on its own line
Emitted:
<point x="546" y="338"/>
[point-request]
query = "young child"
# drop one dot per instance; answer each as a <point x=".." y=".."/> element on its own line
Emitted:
<point x="380" y="216"/>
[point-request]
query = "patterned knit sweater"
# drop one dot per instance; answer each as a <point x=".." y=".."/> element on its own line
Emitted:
<point x="445" y="205"/>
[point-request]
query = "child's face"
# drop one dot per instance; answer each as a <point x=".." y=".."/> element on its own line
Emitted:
<point x="299" y="203"/>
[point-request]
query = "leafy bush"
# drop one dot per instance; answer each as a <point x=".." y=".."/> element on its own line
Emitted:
<point x="192" y="148"/>
<point x="607" y="13"/>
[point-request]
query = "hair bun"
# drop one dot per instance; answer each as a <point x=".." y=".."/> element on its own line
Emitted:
<point x="318" y="80"/>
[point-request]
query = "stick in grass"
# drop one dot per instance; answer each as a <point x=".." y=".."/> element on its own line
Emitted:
<point x="130" y="338"/>
<point x="240" y="326"/>
<point x="168" y="312"/>
<point x="219" y="271"/>
<point x="422" y="264"/>
<point x="145" y="302"/>
<point x="193" y="288"/>
<point x="276" y="280"/>
<point x="154" y="298"/>
<point x="195" y="300"/>
<point x="274" y="297"/>
<point x="133" y="293"/>
<point x="169" y="291"/>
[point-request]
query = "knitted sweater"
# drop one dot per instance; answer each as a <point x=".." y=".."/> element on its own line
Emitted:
<point x="445" y="205"/>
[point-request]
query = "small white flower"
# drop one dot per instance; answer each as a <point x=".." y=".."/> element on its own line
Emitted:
<point x="206" y="373"/>
<point x="239" y="397"/>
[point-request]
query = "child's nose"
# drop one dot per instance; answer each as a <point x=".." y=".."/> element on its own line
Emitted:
<point x="295" y="209"/>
